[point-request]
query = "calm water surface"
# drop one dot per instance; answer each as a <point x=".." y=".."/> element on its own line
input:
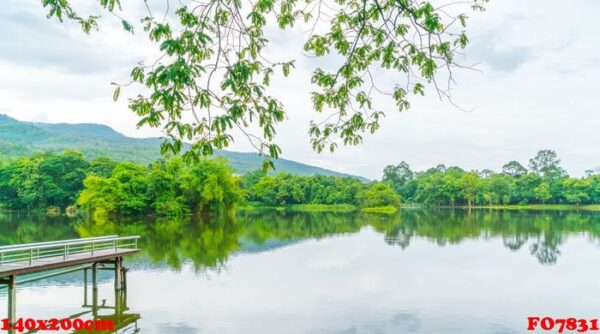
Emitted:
<point x="271" y="272"/>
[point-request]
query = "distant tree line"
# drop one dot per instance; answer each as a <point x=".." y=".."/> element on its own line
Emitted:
<point x="174" y="188"/>
<point x="105" y="186"/>
<point x="47" y="180"/>
<point x="167" y="188"/>
<point x="544" y="182"/>
<point x="288" y="189"/>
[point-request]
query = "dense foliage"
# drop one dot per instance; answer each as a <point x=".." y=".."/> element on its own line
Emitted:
<point x="545" y="182"/>
<point x="171" y="188"/>
<point x="164" y="188"/>
<point x="213" y="72"/>
<point x="105" y="186"/>
<point x="175" y="188"/>
<point x="286" y="189"/>
<point x="44" y="180"/>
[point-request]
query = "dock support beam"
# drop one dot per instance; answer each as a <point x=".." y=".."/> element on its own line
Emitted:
<point x="95" y="288"/>
<point x="85" y="286"/>
<point x="119" y="273"/>
<point x="11" y="282"/>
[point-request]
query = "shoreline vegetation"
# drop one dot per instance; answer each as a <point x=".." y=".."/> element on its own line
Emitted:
<point x="343" y="208"/>
<point x="387" y="210"/>
<point x="533" y="207"/>
<point x="347" y="208"/>
<point x="330" y="208"/>
<point x="68" y="183"/>
<point x="172" y="188"/>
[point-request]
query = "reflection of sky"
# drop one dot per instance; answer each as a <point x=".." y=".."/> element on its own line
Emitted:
<point x="353" y="284"/>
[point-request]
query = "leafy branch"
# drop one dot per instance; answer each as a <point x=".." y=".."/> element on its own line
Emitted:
<point x="212" y="78"/>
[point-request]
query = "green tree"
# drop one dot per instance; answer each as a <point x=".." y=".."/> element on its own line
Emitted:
<point x="429" y="184"/>
<point x="378" y="194"/>
<point x="102" y="166"/>
<point x="265" y="190"/>
<point x="64" y="175"/>
<point x="170" y="188"/>
<point x="397" y="176"/>
<point x="31" y="186"/>
<point x="125" y="192"/>
<point x="291" y="190"/>
<point x="252" y="178"/>
<point x="284" y="189"/>
<point x="576" y="191"/>
<point x="524" y="188"/>
<point x="451" y="190"/>
<point x="43" y="180"/>
<point x="209" y="185"/>
<point x="547" y="165"/>
<point x="514" y="168"/>
<point x="501" y="187"/>
<point x="595" y="189"/>
<point x="542" y="192"/>
<point x="8" y="193"/>
<point x="163" y="186"/>
<point x="470" y="184"/>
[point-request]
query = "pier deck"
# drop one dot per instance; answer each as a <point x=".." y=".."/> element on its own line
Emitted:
<point x="31" y="258"/>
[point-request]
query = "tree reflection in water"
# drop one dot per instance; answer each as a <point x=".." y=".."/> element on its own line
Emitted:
<point x="208" y="242"/>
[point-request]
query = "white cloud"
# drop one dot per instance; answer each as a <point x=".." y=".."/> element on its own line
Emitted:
<point x="538" y="89"/>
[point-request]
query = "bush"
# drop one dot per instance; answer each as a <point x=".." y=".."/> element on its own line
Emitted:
<point x="378" y="195"/>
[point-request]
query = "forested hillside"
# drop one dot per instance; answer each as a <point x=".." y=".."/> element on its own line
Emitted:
<point x="93" y="140"/>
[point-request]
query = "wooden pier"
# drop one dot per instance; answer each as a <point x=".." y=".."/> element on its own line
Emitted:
<point x="70" y="255"/>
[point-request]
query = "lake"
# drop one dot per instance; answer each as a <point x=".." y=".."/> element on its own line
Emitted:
<point x="420" y="271"/>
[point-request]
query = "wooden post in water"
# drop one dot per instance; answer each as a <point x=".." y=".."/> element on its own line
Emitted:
<point x="95" y="289"/>
<point x="85" y="286"/>
<point x="119" y="304"/>
<point x="118" y="273"/>
<point x="124" y="278"/>
<point x="12" y="301"/>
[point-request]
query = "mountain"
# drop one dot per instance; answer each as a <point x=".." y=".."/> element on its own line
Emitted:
<point x="24" y="138"/>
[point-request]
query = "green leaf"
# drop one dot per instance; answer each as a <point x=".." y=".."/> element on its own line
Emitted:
<point x="116" y="93"/>
<point x="127" y="26"/>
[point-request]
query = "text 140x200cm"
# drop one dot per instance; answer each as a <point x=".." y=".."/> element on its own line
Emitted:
<point x="22" y="325"/>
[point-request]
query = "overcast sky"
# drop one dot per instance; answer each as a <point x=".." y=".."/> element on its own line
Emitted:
<point x="539" y="88"/>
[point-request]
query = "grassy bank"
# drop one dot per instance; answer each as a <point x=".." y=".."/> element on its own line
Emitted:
<point x="388" y="210"/>
<point x="541" y="207"/>
<point x="320" y="208"/>
<point x="303" y="207"/>
<point x="392" y="210"/>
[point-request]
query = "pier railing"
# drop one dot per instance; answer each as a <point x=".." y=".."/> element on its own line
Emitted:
<point x="65" y="249"/>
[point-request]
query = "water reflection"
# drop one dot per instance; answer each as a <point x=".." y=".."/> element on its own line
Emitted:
<point x="543" y="232"/>
<point x="208" y="242"/>
<point x="20" y="228"/>
<point x="97" y="311"/>
<point x="418" y="271"/>
<point x="117" y="314"/>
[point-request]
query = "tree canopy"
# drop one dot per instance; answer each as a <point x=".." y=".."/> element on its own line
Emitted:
<point x="546" y="182"/>
<point x="175" y="188"/>
<point x="213" y="75"/>
<point x="169" y="188"/>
